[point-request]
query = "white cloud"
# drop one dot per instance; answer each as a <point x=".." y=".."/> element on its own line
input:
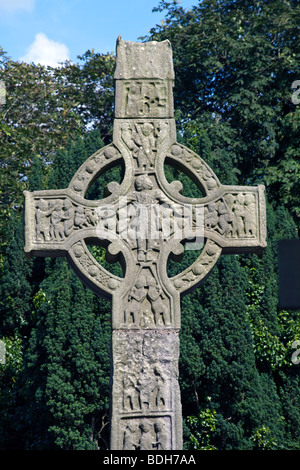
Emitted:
<point x="15" y="5"/>
<point x="45" y="51"/>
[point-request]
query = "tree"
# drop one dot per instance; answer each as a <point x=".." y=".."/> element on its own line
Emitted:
<point x="55" y="388"/>
<point x="69" y="347"/>
<point x="45" y="108"/>
<point x="235" y="64"/>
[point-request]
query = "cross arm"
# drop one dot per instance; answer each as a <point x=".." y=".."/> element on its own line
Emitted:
<point x="55" y="220"/>
<point x="236" y="219"/>
<point x="234" y="222"/>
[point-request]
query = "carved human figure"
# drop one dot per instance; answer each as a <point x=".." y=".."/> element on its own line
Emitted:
<point x="42" y="220"/>
<point x="224" y="218"/>
<point x="91" y="217"/>
<point x="107" y="221"/>
<point x="212" y="215"/>
<point x="79" y="218"/>
<point x="136" y="297"/>
<point x="143" y="200"/>
<point x="144" y="145"/>
<point x="164" y="226"/>
<point x="56" y="220"/>
<point x="160" y="390"/>
<point x="238" y="210"/>
<point x="147" y="439"/>
<point x="161" y="434"/>
<point x="131" y="438"/>
<point x="159" y="303"/>
<point x="127" y="135"/>
<point x="130" y="392"/>
<point x="162" y="132"/>
<point x="144" y="386"/>
<point x="68" y="217"/>
<point x="135" y="103"/>
<point x="250" y="218"/>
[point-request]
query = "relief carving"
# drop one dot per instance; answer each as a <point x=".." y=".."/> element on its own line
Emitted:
<point x="146" y="434"/>
<point x="144" y="214"/>
<point x="89" y="265"/>
<point x="200" y="268"/>
<point x="138" y="220"/>
<point x="143" y="139"/>
<point x="145" y="388"/>
<point x="83" y="176"/>
<point x="233" y="216"/>
<point x="42" y="220"/>
<point x="147" y="303"/>
<point x="145" y="371"/>
<point x="145" y="98"/>
<point x="197" y="166"/>
<point x="56" y="219"/>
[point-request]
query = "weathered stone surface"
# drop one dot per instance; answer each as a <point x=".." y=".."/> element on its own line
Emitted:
<point x="146" y="408"/>
<point x="143" y="221"/>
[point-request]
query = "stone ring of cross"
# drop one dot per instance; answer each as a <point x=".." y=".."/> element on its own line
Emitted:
<point x="226" y="218"/>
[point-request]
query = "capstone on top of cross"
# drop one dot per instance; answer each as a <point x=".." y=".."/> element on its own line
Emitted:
<point x="139" y="60"/>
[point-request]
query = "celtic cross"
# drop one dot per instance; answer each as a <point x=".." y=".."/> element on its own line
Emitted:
<point x="143" y="221"/>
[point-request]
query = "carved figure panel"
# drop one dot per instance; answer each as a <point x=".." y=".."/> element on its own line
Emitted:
<point x="143" y="138"/>
<point x="145" y="388"/>
<point x="146" y="433"/>
<point x="145" y="370"/>
<point x="57" y="218"/>
<point x="143" y="98"/>
<point x="233" y="216"/>
<point x="147" y="304"/>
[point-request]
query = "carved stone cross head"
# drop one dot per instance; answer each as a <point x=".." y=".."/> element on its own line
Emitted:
<point x="143" y="221"/>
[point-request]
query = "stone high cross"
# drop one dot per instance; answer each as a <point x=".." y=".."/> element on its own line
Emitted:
<point x="143" y="221"/>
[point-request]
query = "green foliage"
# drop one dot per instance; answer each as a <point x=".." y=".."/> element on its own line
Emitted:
<point x="262" y="439"/>
<point x="45" y="109"/>
<point x="55" y="383"/>
<point x="202" y="426"/>
<point x="10" y="379"/>
<point x="235" y="63"/>
<point x="73" y="380"/>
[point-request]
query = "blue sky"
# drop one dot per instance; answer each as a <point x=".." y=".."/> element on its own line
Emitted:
<point x="50" y="31"/>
